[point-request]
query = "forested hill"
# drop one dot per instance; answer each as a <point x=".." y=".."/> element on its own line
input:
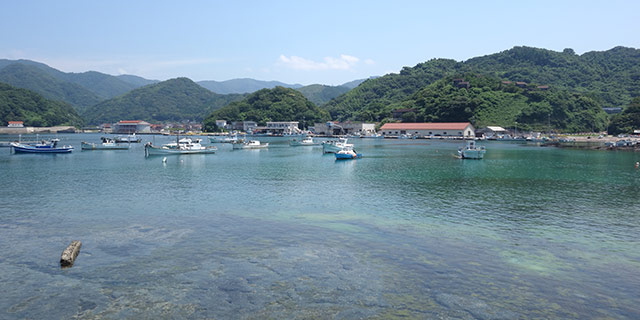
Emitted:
<point x="103" y="86"/>
<point x="370" y="101"/>
<point x="486" y="100"/>
<point x="611" y="78"/>
<point x="18" y="104"/>
<point x="172" y="100"/>
<point x="33" y="78"/>
<point x="278" y="104"/>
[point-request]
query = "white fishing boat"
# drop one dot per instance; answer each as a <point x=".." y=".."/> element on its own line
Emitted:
<point x="182" y="146"/>
<point x="223" y="139"/>
<point x="251" y="144"/>
<point x="347" y="153"/>
<point x="107" y="144"/>
<point x="333" y="146"/>
<point x="471" y="151"/>
<point x="127" y="139"/>
<point x="304" y="142"/>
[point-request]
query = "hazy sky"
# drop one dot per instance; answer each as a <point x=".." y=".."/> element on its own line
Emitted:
<point x="328" y="42"/>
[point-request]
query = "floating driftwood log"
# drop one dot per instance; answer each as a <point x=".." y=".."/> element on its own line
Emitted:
<point x="70" y="254"/>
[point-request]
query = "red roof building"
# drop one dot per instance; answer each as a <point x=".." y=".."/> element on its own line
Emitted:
<point x="15" y="124"/>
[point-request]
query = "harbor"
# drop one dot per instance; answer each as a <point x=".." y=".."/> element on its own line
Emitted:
<point x="408" y="230"/>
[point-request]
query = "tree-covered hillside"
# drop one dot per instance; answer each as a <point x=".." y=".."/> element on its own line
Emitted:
<point x="371" y="100"/>
<point x="321" y="94"/>
<point x="628" y="120"/>
<point x="612" y="76"/>
<point x="489" y="101"/>
<point x="24" y="105"/>
<point x="278" y="104"/>
<point x="102" y="85"/>
<point x="172" y="100"/>
<point x="33" y="78"/>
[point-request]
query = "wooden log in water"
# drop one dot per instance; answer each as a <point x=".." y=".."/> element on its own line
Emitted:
<point x="70" y="254"/>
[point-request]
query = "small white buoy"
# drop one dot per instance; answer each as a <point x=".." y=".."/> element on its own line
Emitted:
<point x="181" y="161"/>
<point x="164" y="160"/>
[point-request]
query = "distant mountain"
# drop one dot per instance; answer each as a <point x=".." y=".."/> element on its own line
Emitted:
<point x="321" y="94"/>
<point x="172" y="100"/>
<point x="355" y="83"/>
<point x="243" y="85"/>
<point x="104" y="86"/>
<point x="136" y="81"/>
<point x="32" y="77"/>
<point x="18" y="104"/>
<point x="277" y="104"/>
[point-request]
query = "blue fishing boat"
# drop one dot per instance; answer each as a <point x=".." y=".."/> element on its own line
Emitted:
<point x="347" y="153"/>
<point x="42" y="147"/>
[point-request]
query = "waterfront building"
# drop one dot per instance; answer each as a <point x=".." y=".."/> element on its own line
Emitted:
<point x="132" y="126"/>
<point x="245" y="126"/>
<point x="427" y="129"/>
<point x="222" y="124"/>
<point x="348" y="127"/>
<point x="15" y="124"/>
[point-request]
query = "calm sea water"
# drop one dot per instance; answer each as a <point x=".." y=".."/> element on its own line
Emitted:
<point x="408" y="231"/>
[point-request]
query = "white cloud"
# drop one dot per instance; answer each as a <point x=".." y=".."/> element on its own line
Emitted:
<point x="369" y="62"/>
<point x="344" y="62"/>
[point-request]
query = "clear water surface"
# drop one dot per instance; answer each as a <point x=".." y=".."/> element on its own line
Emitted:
<point x="408" y="231"/>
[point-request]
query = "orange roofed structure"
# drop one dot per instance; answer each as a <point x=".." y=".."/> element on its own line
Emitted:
<point x="426" y="129"/>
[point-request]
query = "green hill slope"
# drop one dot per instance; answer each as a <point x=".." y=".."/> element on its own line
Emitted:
<point x="371" y="100"/>
<point x="488" y="101"/>
<point x="33" y="78"/>
<point x="18" y="104"/>
<point x="172" y="100"/>
<point x="278" y="104"/>
<point x="612" y="76"/>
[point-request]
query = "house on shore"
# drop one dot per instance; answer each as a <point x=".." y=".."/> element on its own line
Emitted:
<point x="348" y="127"/>
<point x="427" y="129"/>
<point x="15" y="124"/>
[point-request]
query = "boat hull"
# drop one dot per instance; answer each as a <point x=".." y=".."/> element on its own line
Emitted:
<point x="95" y="146"/>
<point x="157" y="151"/>
<point x="343" y="156"/>
<point x="472" y="154"/>
<point x="30" y="149"/>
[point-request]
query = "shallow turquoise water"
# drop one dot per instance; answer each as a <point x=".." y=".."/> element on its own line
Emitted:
<point x="407" y="231"/>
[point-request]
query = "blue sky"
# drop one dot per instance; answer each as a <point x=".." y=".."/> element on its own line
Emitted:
<point x="328" y="42"/>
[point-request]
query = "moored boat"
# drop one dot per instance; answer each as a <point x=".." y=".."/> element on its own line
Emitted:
<point x="251" y="144"/>
<point x="107" y="144"/>
<point x="127" y="139"/>
<point x="42" y="147"/>
<point x="347" y="153"/>
<point x="223" y="139"/>
<point x="183" y="146"/>
<point x="333" y="146"/>
<point x="304" y="142"/>
<point x="471" y="151"/>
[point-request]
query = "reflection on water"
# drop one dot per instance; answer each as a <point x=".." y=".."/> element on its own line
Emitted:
<point x="406" y="231"/>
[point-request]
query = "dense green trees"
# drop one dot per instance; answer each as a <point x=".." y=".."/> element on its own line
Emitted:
<point x="278" y="104"/>
<point x="488" y="101"/>
<point x="25" y="105"/>
<point x="628" y="120"/>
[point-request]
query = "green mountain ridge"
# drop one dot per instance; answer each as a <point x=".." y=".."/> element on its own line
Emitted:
<point x="177" y="99"/>
<point x="277" y="104"/>
<point x="17" y="104"/>
<point x="33" y="78"/>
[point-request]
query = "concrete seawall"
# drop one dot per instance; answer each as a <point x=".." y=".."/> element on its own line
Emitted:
<point x="34" y="130"/>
